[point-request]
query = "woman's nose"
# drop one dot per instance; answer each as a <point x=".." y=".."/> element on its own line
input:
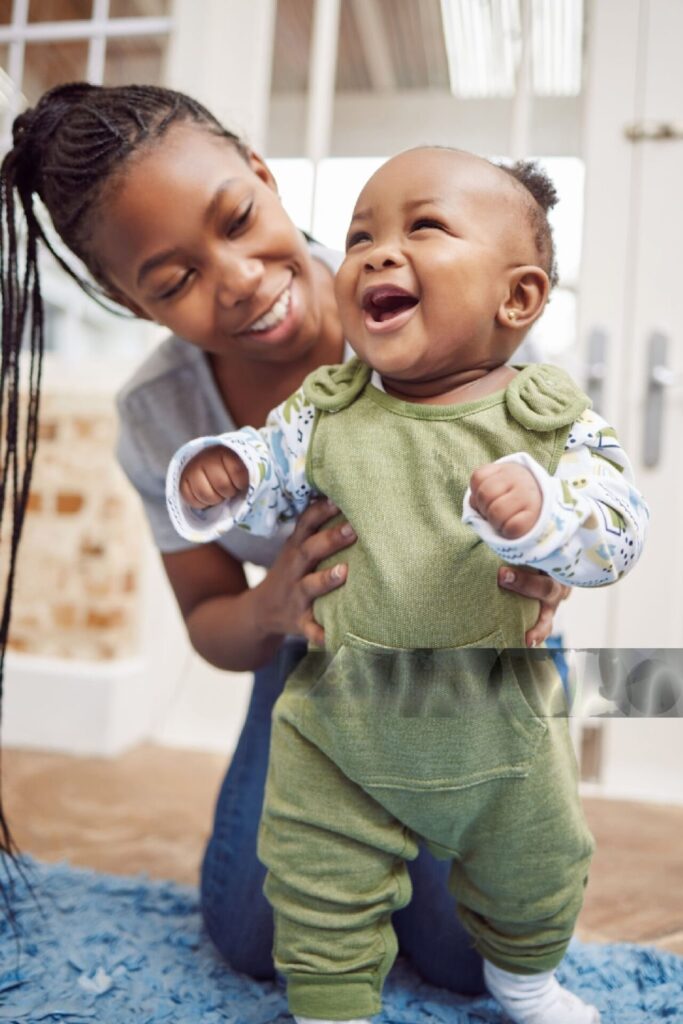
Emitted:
<point x="238" y="278"/>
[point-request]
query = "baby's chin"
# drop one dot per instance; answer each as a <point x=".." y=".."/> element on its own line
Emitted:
<point x="390" y="361"/>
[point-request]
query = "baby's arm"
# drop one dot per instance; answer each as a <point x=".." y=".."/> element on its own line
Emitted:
<point x="249" y="478"/>
<point x="591" y="524"/>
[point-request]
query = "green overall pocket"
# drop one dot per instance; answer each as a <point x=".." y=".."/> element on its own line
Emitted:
<point x="421" y="719"/>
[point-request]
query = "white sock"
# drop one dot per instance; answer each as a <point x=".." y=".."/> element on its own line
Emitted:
<point x="537" y="998"/>
<point x="314" y="1020"/>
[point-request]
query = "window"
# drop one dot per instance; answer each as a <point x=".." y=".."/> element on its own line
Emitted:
<point x="42" y="44"/>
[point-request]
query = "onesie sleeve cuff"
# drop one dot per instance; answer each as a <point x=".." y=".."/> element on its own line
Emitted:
<point x="521" y="548"/>
<point x="203" y="525"/>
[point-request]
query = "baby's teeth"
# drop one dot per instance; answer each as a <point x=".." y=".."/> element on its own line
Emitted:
<point x="274" y="316"/>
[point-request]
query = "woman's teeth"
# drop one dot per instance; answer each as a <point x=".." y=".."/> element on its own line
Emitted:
<point x="275" y="315"/>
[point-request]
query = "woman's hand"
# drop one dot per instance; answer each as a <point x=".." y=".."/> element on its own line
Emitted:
<point x="530" y="583"/>
<point x="287" y="593"/>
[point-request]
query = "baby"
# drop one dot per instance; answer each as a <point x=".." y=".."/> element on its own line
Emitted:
<point x="424" y="720"/>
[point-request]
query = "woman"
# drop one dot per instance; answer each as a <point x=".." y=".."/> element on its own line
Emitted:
<point x="178" y="221"/>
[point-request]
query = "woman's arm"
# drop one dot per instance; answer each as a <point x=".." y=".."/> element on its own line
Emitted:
<point x="239" y="628"/>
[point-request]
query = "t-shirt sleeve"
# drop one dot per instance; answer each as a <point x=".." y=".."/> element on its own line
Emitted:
<point x="147" y="481"/>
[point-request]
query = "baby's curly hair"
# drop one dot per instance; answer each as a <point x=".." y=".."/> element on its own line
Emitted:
<point x="541" y="196"/>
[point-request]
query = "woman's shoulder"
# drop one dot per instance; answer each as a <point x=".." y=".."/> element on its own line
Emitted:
<point x="171" y="358"/>
<point x="170" y="398"/>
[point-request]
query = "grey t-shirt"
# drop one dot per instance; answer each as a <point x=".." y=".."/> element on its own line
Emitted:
<point x="171" y="398"/>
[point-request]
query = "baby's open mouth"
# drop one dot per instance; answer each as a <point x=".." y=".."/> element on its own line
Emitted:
<point x="383" y="302"/>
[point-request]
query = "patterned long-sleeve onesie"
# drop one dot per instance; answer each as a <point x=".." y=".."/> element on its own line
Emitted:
<point x="590" y="530"/>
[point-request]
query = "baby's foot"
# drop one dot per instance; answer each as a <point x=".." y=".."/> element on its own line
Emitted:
<point x="314" y="1020"/>
<point x="537" y="998"/>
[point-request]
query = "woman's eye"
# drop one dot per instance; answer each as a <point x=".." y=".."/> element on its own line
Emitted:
<point x="356" y="237"/>
<point x="241" y="220"/>
<point x="177" y="287"/>
<point x="427" y="222"/>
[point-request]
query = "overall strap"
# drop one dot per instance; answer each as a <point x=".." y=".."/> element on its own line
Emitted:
<point x="331" y="388"/>
<point x="544" y="398"/>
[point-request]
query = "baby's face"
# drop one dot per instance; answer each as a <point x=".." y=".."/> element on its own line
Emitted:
<point x="434" y="242"/>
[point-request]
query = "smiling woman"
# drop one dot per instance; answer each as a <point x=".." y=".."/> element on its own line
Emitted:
<point x="221" y="265"/>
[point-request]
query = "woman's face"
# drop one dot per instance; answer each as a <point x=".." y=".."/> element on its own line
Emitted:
<point x="195" y="237"/>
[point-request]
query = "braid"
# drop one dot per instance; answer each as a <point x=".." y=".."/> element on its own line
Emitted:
<point x="67" y="150"/>
<point x="19" y="293"/>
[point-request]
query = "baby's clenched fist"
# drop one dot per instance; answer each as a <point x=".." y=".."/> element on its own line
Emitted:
<point x="507" y="496"/>
<point x="212" y="476"/>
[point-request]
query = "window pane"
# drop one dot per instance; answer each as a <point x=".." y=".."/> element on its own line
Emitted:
<point x="294" y="177"/>
<point x="135" y="60"/>
<point x="48" y="64"/>
<point x="60" y="10"/>
<point x="5" y="12"/>
<point x="136" y="8"/>
<point x="6" y="93"/>
<point x="340" y="179"/>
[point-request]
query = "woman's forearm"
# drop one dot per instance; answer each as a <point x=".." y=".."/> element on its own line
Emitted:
<point x="232" y="632"/>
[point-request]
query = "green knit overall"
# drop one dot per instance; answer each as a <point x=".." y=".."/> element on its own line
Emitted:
<point x="424" y="719"/>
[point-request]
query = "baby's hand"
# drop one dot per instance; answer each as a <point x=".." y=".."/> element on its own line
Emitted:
<point x="507" y="496"/>
<point x="212" y="476"/>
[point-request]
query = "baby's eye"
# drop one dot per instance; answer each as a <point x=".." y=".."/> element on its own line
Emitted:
<point x="427" y="222"/>
<point x="356" y="237"/>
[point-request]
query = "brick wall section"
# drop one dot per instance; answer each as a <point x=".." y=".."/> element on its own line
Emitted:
<point x="77" y="591"/>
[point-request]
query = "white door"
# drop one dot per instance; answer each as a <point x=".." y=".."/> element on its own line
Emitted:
<point x="631" y="290"/>
<point x="631" y="293"/>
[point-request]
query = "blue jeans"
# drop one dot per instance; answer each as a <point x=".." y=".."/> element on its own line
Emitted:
<point x="236" y="913"/>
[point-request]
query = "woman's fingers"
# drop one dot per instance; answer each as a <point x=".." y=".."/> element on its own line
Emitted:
<point x="542" y="628"/>
<point x="314" y="633"/>
<point x="530" y="583"/>
<point x="315" y="542"/>
<point x="314" y="585"/>
<point x="537" y="585"/>
<point x="317" y="513"/>
<point x="294" y="581"/>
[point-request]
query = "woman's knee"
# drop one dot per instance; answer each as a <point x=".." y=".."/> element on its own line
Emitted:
<point x="237" y="918"/>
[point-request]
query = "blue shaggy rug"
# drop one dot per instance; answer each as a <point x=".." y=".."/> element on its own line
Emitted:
<point x="104" y="949"/>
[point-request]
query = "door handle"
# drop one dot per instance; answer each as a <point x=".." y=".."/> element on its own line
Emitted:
<point x="596" y="371"/>
<point x="658" y="378"/>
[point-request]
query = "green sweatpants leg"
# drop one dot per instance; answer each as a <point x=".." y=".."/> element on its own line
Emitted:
<point x="336" y="861"/>
<point x="335" y="850"/>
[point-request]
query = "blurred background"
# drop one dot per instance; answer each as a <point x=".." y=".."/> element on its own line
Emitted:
<point x="326" y="89"/>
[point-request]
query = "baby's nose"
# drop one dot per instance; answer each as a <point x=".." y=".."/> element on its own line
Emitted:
<point x="383" y="256"/>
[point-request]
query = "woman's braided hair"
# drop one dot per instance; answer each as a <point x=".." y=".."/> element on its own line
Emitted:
<point x="67" y="150"/>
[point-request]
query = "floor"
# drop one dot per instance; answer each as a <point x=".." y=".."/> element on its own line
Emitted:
<point x="150" y="809"/>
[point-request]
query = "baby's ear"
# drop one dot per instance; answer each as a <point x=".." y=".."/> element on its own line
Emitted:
<point x="527" y="295"/>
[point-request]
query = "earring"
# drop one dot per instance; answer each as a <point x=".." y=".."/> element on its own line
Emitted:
<point x="512" y="314"/>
